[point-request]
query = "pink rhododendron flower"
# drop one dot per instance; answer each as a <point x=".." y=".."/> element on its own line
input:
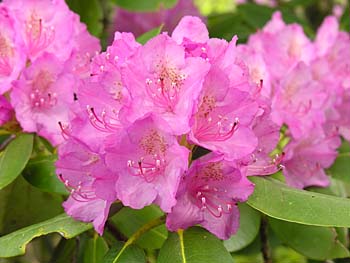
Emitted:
<point x="43" y="26"/>
<point x="85" y="47"/>
<point x="12" y="59"/>
<point x="193" y="35"/>
<point x="103" y="95"/>
<point x="343" y="109"/>
<point x="162" y="81"/>
<point x="299" y="101"/>
<point x="6" y="110"/>
<point x="222" y="121"/>
<point x="149" y="162"/>
<point x="282" y="46"/>
<point x="42" y="97"/>
<point x="139" y="23"/>
<point x="258" y="70"/>
<point x="208" y="194"/>
<point x="116" y="56"/>
<point x="260" y="162"/>
<point x="91" y="184"/>
<point x="307" y="157"/>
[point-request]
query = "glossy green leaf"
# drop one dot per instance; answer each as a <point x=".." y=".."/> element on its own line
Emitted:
<point x="93" y="249"/>
<point x="312" y="241"/>
<point x="41" y="173"/>
<point x="14" y="158"/>
<point x="248" y="229"/>
<point x="90" y="12"/>
<point x="122" y="253"/>
<point x="21" y="205"/>
<point x="145" y="6"/>
<point x="192" y="246"/>
<point x="128" y="221"/>
<point x="15" y="243"/>
<point x="150" y="34"/>
<point x="275" y="199"/>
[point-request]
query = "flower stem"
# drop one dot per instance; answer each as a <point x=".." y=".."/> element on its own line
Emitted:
<point x="265" y="246"/>
<point x="152" y="224"/>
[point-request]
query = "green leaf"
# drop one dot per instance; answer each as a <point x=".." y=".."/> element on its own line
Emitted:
<point x="192" y="246"/>
<point x="145" y="6"/>
<point x="22" y="205"/>
<point x="341" y="168"/>
<point x="14" y="158"/>
<point x="150" y="34"/>
<point x="121" y="253"/>
<point x="41" y="173"/>
<point x="93" y="249"/>
<point x="14" y="244"/>
<point x="312" y="241"/>
<point x="255" y="15"/>
<point x="128" y="221"/>
<point x="275" y="199"/>
<point x="345" y="20"/>
<point x="90" y="12"/>
<point x="248" y="229"/>
<point x="227" y="25"/>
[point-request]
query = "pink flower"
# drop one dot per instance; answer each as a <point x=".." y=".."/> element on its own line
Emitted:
<point x="228" y="105"/>
<point x="258" y="71"/>
<point x="43" y="26"/>
<point x="149" y="162"/>
<point x="343" y="109"/>
<point x="165" y="83"/>
<point x="102" y="96"/>
<point x="91" y="184"/>
<point x="12" y="59"/>
<point x="139" y="23"/>
<point x="85" y="47"/>
<point x="268" y="134"/>
<point x="208" y="194"/>
<point x="223" y="118"/>
<point x="42" y="97"/>
<point x="307" y="157"/>
<point x="282" y="46"/>
<point x="116" y="56"/>
<point x="6" y="110"/>
<point x="299" y="101"/>
<point x="193" y="35"/>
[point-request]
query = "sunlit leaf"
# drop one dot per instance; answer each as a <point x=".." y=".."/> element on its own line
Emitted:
<point x="192" y="246"/>
<point x="277" y="200"/>
<point x="14" y="244"/>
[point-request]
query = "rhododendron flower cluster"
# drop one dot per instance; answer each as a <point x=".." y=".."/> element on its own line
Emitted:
<point x="180" y="121"/>
<point x="142" y="114"/>
<point x="309" y="86"/>
<point x="44" y="52"/>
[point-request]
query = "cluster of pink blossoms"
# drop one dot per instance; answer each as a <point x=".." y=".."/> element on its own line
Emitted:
<point x="308" y="83"/>
<point x="143" y="113"/>
<point x="145" y="110"/>
<point x="131" y="121"/>
<point x="44" y="53"/>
